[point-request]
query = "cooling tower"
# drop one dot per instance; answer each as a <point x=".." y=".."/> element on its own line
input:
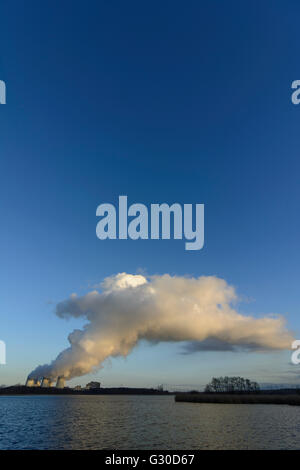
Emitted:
<point x="60" y="382"/>
<point x="29" y="382"/>
<point x="46" y="382"/>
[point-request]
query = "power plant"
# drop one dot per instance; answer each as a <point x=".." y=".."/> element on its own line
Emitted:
<point x="32" y="382"/>
<point x="45" y="382"/>
<point x="60" y="382"/>
<point x="48" y="382"/>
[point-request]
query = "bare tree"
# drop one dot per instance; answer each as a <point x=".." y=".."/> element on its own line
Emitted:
<point x="231" y="385"/>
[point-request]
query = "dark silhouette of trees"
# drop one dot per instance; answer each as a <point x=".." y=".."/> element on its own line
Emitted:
<point x="231" y="385"/>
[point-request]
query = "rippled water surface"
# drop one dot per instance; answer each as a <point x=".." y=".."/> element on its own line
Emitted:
<point x="143" y="422"/>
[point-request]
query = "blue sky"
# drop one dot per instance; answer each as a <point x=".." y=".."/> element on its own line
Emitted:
<point x="163" y="102"/>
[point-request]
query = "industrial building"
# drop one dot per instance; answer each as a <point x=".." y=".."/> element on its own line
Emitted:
<point x="93" y="385"/>
<point x="60" y="382"/>
<point x="32" y="382"/>
<point x="45" y="382"/>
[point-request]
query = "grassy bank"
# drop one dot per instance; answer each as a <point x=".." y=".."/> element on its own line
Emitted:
<point x="254" y="399"/>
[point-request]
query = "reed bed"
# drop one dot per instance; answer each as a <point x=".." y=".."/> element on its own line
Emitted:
<point x="236" y="399"/>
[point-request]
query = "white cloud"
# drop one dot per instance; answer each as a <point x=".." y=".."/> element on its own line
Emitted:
<point x="161" y="308"/>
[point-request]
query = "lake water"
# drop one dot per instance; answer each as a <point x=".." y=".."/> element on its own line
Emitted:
<point x="143" y="422"/>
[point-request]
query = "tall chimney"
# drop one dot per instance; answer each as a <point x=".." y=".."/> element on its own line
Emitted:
<point x="60" y="382"/>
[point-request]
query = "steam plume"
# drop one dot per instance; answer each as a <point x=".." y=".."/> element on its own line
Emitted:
<point x="129" y="308"/>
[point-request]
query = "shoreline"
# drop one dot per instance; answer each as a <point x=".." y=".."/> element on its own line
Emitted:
<point x="23" y="390"/>
<point x="239" y="399"/>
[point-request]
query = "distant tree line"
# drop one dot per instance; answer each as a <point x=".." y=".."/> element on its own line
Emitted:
<point x="231" y="385"/>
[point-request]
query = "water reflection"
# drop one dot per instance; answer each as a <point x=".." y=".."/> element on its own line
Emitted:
<point x="143" y="422"/>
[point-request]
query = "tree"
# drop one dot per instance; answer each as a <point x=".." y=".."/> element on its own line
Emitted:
<point x="231" y="385"/>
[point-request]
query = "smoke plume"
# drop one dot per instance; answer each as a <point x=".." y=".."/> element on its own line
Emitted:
<point x="128" y="308"/>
